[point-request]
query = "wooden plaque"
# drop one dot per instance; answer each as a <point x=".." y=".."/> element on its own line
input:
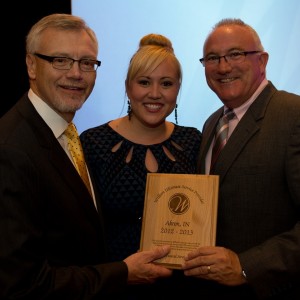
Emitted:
<point x="180" y="210"/>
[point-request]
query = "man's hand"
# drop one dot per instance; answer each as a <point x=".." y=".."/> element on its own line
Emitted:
<point x="214" y="263"/>
<point x="141" y="268"/>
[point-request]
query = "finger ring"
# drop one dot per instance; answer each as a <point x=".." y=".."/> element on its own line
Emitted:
<point x="208" y="269"/>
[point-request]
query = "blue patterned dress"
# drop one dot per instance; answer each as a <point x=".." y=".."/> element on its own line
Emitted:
<point x="122" y="184"/>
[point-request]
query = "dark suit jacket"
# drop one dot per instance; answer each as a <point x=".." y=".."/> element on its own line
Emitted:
<point x="51" y="235"/>
<point x="259" y="196"/>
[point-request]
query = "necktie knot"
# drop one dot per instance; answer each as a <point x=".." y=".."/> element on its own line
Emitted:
<point x="229" y="114"/>
<point x="71" y="132"/>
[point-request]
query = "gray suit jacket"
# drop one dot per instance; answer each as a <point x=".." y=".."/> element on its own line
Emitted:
<point x="51" y="235"/>
<point x="259" y="196"/>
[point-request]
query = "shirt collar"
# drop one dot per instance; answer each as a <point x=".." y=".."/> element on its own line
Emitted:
<point x="241" y="110"/>
<point x="51" y="117"/>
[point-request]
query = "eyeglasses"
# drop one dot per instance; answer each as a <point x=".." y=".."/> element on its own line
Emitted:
<point x="233" y="57"/>
<point x="66" y="63"/>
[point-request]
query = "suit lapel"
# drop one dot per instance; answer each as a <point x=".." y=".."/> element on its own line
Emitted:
<point x="57" y="156"/>
<point x="207" y="137"/>
<point x="245" y="130"/>
<point x="248" y="126"/>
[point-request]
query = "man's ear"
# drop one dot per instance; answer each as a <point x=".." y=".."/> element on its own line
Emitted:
<point x="31" y="66"/>
<point x="263" y="59"/>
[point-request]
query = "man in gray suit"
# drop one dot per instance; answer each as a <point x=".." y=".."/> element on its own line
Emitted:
<point x="257" y="253"/>
<point x="52" y="244"/>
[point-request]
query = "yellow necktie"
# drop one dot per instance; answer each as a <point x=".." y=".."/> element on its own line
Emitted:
<point x="74" y="146"/>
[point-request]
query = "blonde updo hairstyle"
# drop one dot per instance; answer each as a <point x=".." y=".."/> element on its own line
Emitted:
<point x="153" y="50"/>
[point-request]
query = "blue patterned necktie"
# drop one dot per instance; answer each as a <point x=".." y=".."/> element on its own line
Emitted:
<point x="221" y="135"/>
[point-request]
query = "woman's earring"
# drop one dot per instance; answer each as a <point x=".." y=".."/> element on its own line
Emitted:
<point x="129" y="109"/>
<point x="176" y="114"/>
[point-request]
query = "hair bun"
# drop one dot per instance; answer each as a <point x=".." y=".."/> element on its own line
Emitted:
<point x="153" y="39"/>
